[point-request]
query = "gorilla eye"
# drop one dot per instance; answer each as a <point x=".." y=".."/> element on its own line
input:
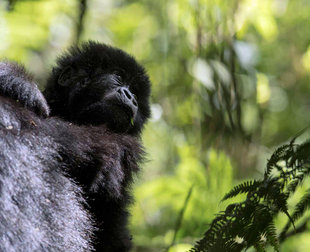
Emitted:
<point x="118" y="74"/>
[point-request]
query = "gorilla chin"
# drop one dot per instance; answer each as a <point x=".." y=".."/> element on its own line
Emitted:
<point x="116" y="116"/>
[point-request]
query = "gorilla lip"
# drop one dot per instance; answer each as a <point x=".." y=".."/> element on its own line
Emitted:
<point x="126" y="109"/>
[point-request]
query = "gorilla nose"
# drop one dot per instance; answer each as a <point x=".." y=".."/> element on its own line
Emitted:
<point x="129" y="99"/>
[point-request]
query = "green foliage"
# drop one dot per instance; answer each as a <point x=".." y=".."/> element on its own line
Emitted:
<point x="252" y="220"/>
<point x="246" y="187"/>
<point x="229" y="83"/>
<point x="161" y="201"/>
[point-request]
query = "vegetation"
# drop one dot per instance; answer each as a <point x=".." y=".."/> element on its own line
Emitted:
<point x="251" y="221"/>
<point x="230" y="83"/>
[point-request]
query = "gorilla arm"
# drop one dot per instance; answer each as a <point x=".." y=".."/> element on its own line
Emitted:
<point x="98" y="159"/>
<point x="104" y="164"/>
<point x="17" y="84"/>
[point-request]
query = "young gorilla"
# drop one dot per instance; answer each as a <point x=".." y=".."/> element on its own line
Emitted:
<point x="104" y="93"/>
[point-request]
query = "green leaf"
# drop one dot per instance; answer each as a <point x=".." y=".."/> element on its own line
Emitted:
<point x="245" y="187"/>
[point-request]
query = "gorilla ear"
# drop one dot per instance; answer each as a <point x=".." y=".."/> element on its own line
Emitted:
<point x="65" y="76"/>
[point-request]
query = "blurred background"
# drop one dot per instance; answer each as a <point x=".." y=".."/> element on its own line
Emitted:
<point x="230" y="83"/>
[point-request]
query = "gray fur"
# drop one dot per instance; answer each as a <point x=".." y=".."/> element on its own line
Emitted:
<point x="40" y="208"/>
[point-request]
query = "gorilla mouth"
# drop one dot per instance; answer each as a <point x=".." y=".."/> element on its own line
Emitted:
<point x="127" y="110"/>
<point x="113" y="113"/>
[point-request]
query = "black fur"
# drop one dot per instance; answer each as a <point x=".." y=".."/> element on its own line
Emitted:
<point x="79" y="91"/>
<point x="101" y="86"/>
<point x="78" y="88"/>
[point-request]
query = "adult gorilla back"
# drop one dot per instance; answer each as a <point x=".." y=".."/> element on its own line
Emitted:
<point x="35" y="194"/>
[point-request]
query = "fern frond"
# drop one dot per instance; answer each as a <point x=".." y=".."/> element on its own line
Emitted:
<point x="259" y="246"/>
<point x="301" y="207"/>
<point x="245" y="187"/>
<point x="279" y="154"/>
<point x="271" y="236"/>
<point x="291" y="187"/>
<point x="253" y="218"/>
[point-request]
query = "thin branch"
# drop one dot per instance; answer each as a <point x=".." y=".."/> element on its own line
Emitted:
<point x="227" y="105"/>
<point x="180" y="218"/>
<point x="80" y="21"/>
<point x="233" y="73"/>
<point x="234" y="82"/>
<point x="300" y="229"/>
<point x="11" y="4"/>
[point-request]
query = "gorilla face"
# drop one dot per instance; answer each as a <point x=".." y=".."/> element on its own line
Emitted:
<point x="114" y="105"/>
<point x="97" y="84"/>
<point x="104" y="98"/>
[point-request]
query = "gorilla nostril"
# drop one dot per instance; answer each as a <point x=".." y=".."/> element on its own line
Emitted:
<point x="130" y="98"/>
<point x="128" y="95"/>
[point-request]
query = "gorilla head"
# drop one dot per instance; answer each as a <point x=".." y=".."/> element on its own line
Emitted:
<point x="98" y="84"/>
